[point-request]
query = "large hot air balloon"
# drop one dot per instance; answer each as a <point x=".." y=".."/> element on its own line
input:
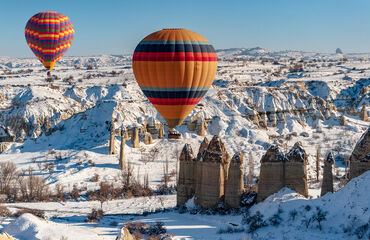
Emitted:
<point x="174" y="68"/>
<point x="49" y="35"/>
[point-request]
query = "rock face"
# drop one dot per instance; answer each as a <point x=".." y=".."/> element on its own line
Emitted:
<point x="6" y="236"/>
<point x="210" y="177"/>
<point x="360" y="158"/>
<point x="278" y="171"/>
<point x="234" y="185"/>
<point x="271" y="178"/>
<point x="148" y="138"/>
<point x="213" y="173"/>
<point x="161" y="131"/>
<point x="125" y="235"/>
<point x="186" y="183"/>
<point x="296" y="170"/>
<point x="200" y="127"/>
<point x="363" y="114"/>
<point x="327" y="181"/>
<point x="135" y="138"/>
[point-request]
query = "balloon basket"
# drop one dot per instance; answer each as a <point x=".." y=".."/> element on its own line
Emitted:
<point x="174" y="135"/>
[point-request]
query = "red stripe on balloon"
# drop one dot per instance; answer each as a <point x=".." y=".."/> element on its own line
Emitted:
<point x="174" y="101"/>
<point x="174" y="56"/>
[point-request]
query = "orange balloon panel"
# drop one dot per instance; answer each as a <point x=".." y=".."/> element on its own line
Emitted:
<point x="174" y="68"/>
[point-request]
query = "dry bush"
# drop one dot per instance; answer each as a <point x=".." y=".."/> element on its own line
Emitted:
<point x="4" y="211"/>
<point x="33" y="188"/>
<point x="36" y="212"/>
<point x="59" y="189"/>
<point x="8" y="178"/>
<point x="75" y="194"/>
<point x="95" y="178"/>
<point x="95" y="215"/>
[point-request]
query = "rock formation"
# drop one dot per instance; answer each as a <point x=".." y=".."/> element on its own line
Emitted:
<point x="135" y="138"/>
<point x="271" y="178"/>
<point x="360" y="157"/>
<point x="342" y="120"/>
<point x="214" y="165"/>
<point x="122" y="164"/>
<point x="363" y="114"/>
<point x="187" y="182"/>
<point x="327" y="181"/>
<point x="6" y="236"/>
<point x="112" y="148"/>
<point x="234" y="185"/>
<point x="125" y="235"/>
<point x="296" y="170"/>
<point x="278" y="171"/>
<point x="161" y="131"/>
<point x="148" y="138"/>
<point x="200" y="127"/>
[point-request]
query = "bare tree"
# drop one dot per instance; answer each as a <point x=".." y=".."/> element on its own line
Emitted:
<point x="318" y="156"/>
<point x="251" y="168"/>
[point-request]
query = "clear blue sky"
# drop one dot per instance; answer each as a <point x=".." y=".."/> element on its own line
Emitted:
<point x="115" y="27"/>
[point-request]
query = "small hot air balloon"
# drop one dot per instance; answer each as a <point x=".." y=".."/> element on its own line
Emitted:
<point x="174" y="68"/>
<point x="49" y="35"/>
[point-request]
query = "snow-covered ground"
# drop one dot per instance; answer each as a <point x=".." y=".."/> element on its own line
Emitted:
<point x="63" y="124"/>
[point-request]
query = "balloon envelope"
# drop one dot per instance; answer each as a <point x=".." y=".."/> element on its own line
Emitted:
<point x="174" y="68"/>
<point x="49" y="35"/>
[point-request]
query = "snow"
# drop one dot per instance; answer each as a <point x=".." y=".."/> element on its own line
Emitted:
<point x="68" y="119"/>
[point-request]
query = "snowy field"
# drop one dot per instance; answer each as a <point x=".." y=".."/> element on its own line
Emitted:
<point x="61" y="133"/>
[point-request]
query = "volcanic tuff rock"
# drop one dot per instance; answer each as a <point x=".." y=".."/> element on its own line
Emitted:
<point x="296" y="170"/>
<point x="135" y="138"/>
<point x="187" y="182"/>
<point x="360" y="158"/>
<point x="327" y="181"/>
<point x="125" y="235"/>
<point x="278" y="171"/>
<point x="234" y="184"/>
<point x="213" y="173"/>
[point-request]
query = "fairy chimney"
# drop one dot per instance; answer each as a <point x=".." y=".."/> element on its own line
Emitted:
<point x="211" y="179"/>
<point x="295" y="170"/>
<point x="112" y="149"/>
<point x="234" y="185"/>
<point x="327" y="181"/>
<point x="186" y="182"/>
<point x="343" y="120"/>
<point x="135" y="138"/>
<point x="203" y="146"/>
<point x="200" y="127"/>
<point x="271" y="178"/>
<point x="363" y="114"/>
<point x="360" y="157"/>
<point x="148" y="138"/>
<point x="161" y="131"/>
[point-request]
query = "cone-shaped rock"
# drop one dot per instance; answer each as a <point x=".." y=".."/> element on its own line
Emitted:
<point x="271" y="178"/>
<point x="327" y="181"/>
<point x="234" y="185"/>
<point x="213" y="163"/>
<point x="360" y="157"/>
<point x="135" y="138"/>
<point x="186" y="182"/>
<point x="296" y="170"/>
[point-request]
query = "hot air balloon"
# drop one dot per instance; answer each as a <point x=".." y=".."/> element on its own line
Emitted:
<point x="49" y="35"/>
<point x="174" y="68"/>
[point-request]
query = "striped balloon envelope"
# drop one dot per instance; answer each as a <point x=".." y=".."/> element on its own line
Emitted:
<point x="49" y="35"/>
<point x="174" y="68"/>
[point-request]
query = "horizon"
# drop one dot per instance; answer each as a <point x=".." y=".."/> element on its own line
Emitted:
<point x="117" y="27"/>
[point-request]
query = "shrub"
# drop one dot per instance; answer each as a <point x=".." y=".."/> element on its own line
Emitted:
<point x="230" y="229"/>
<point x="95" y="215"/>
<point x="75" y="194"/>
<point x="4" y="211"/>
<point x="95" y="178"/>
<point x="255" y="222"/>
<point x="319" y="216"/>
<point x="275" y="219"/>
<point x="36" y="212"/>
<point x="293" y="213"/>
